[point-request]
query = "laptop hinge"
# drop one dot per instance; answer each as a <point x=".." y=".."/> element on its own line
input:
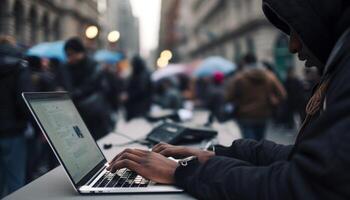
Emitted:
<point x="95" y="175"/>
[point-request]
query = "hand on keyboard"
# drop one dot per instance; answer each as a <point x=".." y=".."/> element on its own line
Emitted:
<point x="121" y="178"/>
<point x="148" y="164"/>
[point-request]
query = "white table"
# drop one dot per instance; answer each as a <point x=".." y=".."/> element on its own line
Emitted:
<point x="55" y="184"/>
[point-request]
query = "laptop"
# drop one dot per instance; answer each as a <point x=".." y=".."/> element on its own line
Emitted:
<point x="78" y="152"/>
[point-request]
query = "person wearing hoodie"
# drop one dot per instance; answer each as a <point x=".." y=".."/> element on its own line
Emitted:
<point x="14" y="79"/>
<point x="317" y="165"/>
<point x="139" y="90"/>
<point x="215" y="100"/>
<point x="255" y="92"/>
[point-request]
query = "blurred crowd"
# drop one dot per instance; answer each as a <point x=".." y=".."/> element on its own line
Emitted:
<point x="97" y="89"/>
<point x="253" y="95"/>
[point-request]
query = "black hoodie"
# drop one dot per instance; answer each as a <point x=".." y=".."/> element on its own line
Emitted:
<point x="319" y="23"/>
<point x="317" y="166"/>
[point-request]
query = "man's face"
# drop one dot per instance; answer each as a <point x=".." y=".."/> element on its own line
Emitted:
<point x="74" y="57"/>
<point x="296" y="46"/>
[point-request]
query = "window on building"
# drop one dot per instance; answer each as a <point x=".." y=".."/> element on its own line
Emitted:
<point x="3" y="15"/>
<point x="46" y="27"/>
<point x="19" y="21"/>
<point x="33" y="22"/>
<point x="57" y="29"/>
<point x="250" y="5"/>
<point x="238" y="52"/>
<point x="250" y="45"/>
<point x="197" y="4"/>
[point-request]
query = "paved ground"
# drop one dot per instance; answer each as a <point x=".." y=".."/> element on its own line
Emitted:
<point x="276" y="133"/>
<point x="281" y="135"/>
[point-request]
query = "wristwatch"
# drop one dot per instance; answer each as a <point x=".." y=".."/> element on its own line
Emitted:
<point x="184" y="162"/>
<point x="211" y="148"/>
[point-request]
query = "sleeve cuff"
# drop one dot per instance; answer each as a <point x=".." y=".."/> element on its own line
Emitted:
<point x="182" y="174"/>
<point x="222" y="151"/>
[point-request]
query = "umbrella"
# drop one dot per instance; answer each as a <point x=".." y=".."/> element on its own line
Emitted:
<point x="49" y="50"/>
<point x="215" y="64"/>
<point x="108" y="56"/>
<point x="170" y="70"/>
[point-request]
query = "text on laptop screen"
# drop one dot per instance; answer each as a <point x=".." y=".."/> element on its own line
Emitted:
<point x="69" y="135"/>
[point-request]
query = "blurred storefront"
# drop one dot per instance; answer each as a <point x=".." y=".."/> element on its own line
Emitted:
<point x="35" y="21"/>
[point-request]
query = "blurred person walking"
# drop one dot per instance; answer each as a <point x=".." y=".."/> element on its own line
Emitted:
<point x="116" y="85"/>
<point x="296" y="101"/>
<point x="88" y="87"/>
<point x="312" y="78"/>
<point x="139" y="90"/>
<point x="215" y="101"/>
<point x="170" y="95"/>
<point x="255" y="92"/>
<point x="14" y="118"/>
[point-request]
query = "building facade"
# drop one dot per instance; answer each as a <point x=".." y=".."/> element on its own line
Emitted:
<point x="119" y="16"/>
<point x="34" y="21"/>
<point x="229" y="28"/>
<point x="169" y="24"/>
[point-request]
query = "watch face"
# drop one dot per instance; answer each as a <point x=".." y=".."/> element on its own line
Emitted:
<point x="184" y="162"/>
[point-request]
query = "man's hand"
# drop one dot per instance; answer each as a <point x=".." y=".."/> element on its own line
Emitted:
<point x="177" y="152"/>
<point x="149" y="165"/>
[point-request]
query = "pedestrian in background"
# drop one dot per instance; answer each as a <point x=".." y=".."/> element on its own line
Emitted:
<point x="312" y="78"/>
<point x="215" y="101"/>
<point x="87" y="86"/>
<point x="139" y="90"/>
<point x="255" y="92"/>
<point x="14" y="118"/>
<point x="170" y="97"/>
<point x="296" y="101"/>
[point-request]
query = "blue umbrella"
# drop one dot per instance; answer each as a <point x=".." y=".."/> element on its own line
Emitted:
<point x="49" y="50"/>
<point x="109" y="57"/>
<point x="214" y="64"/>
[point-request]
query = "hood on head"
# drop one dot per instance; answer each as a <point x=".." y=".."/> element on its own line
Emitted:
<point x="138" y="65"/>
<point x="319" y="23"/>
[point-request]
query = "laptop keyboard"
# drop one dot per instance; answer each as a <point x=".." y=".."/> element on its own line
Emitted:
<point x="122" y="178"/>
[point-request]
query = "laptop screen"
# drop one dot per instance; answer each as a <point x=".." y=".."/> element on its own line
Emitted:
<point x="68" y="134"/>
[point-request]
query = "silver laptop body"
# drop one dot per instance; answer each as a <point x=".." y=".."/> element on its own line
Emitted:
<point x="78" y="152"/>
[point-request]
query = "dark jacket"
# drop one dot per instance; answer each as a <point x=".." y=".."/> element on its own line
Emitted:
<point x="215" y="102"/>
<point x="14" y="79"/>
<point x="255" y="92"/>
<point x="139" y="91"/>
<point x="317" y="166"/>
<point x="297" y="98"/>
<point x="115" y="86"/>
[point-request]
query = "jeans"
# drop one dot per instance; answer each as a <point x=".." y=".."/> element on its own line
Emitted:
<point x="12" y="164"/>
<point x="253" y="130"/>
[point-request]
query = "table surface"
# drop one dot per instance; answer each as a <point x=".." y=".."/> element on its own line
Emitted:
<point x="55" y="184"/>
